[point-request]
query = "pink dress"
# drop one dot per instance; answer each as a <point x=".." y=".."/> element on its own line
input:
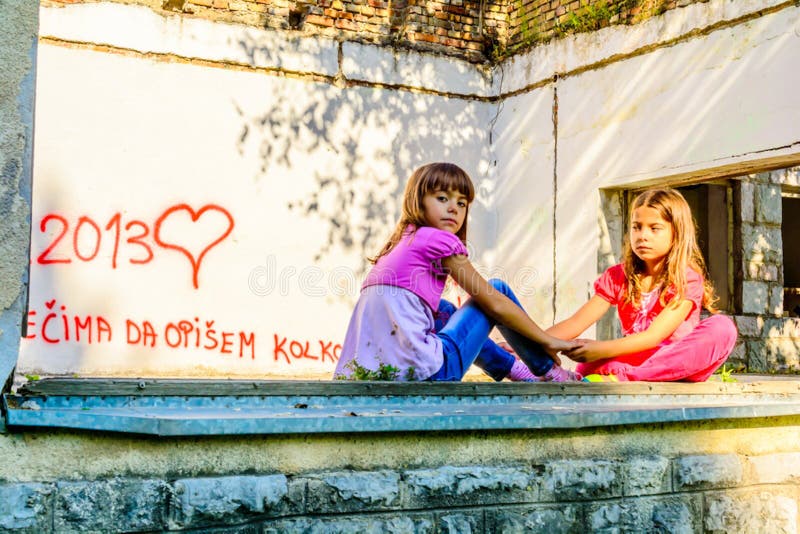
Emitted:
<point x="694" y="350"/>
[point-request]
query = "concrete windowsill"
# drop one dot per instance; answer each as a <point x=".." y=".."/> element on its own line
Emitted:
<point x="226" y="407"/>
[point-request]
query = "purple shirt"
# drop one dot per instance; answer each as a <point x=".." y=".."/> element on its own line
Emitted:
<point x="393" y="321"/>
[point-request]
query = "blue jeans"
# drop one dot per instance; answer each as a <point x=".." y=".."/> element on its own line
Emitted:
<point x="465" y="340"/>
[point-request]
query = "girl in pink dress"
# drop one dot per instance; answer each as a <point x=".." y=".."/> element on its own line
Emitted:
<point x="658" y="290"/>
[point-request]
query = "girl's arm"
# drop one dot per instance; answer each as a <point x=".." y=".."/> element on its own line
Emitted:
<point x="660" y="329"/>
<point x="586" y="316"/>
<point x="501" y="308"/>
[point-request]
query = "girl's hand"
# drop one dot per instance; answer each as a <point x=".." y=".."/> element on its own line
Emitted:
<point x="588" y="351"/>
<point x="558" y="345"/>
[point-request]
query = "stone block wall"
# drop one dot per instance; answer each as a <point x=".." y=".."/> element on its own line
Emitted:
<point x="692" y="493"/>
<point x="470" y="29"/>
<point x="769" y="340"/>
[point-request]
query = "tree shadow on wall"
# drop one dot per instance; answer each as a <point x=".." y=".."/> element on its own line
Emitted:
<point x="359" y="145"/>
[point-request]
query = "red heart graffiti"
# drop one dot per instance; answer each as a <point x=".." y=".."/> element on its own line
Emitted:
<point x="195" y="215"/>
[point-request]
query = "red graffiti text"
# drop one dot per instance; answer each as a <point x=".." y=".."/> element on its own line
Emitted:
<point x="287" y="349"/>
<point x="133" y="240"/>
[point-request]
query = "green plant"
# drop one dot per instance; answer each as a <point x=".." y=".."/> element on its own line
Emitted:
<point x="384" y="373"/>
<point x="411" y="374"/>
<point x="725" y="374"/>
<point x="31" y="378"/>
<point x="589" y="18"/>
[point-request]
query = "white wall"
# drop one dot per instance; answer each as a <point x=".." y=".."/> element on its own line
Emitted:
<point x="654" y="104"/>
<point x="310" y="175"/>
<point x="175" y="111"/>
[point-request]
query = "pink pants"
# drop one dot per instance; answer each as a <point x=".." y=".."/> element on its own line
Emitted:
<point x="692" y="358"/>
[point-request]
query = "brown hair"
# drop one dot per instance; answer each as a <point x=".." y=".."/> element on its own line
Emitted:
<point x="428" y="179"/>
<point x="683" y="253"/>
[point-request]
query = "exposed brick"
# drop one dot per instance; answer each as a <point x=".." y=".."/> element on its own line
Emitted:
<point x="319" y="20"/>
<point x="344" y="24"/>
<point x="424" y="37"/>
<point x="459" y="43"/>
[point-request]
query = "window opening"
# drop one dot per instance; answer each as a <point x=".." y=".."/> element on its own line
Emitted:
<point x="711" y="205"/>
<point x="790" y="229"/>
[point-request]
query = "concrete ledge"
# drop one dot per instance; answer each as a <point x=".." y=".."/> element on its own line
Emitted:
<point x="194" y="408"/>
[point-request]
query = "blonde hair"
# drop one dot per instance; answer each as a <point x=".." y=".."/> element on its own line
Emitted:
<point x="428" y="179"/>
<point x="683" y="253"/>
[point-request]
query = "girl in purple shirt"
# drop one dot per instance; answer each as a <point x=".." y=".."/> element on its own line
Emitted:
<point x="400" y="319"/>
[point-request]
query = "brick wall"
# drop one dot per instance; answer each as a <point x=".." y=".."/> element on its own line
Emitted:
<point x="471" y="29"/>
<point x="532" y="21"/>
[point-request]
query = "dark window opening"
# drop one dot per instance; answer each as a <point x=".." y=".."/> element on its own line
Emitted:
<point x="711" y="205"/>
<point x="790" y="230"/>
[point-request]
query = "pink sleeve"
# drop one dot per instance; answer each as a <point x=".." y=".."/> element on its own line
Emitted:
<point x="609" y="284"/>
<point x="694" y="288"/>
<point x="441" y="244"/>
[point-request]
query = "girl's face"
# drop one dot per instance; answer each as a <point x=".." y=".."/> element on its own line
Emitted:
<point x="445" y="210"/>
<point x="651" y="235"/>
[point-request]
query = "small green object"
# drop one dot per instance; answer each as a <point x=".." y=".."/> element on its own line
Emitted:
<point x="31" y="378"/>
<point x="725" y="374"/>
<point x="411" y="374"/>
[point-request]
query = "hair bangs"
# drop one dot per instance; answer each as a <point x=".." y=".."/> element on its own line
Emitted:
<point x="447" y="177"/>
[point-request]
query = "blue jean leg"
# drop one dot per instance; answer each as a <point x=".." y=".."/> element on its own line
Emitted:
<point x="465" y="334"/>
<point x="492" y="359"/>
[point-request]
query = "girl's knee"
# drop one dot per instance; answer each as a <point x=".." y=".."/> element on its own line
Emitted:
<point x="446" y="307"/>
<point x="722" y="326"/>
